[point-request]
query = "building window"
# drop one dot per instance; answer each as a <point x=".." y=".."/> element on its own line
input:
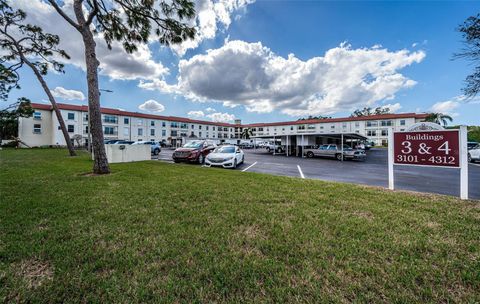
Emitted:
<point x="301" y="127"/>
<point x="140" y="132"/>
<point x="164" y="124"/>
<point x="110" y="119"/>
<point x="37" y="115"/>
<point x="126" y="121"/>
<point x="213" y="128"/>
<point x="85" y="117"/>
<point x="332" y="127"/>
<point x="173" y="133"/>
<point x="261" y="129"/>
<point x="174" y="125"/>
<point x="207" y="129"/>
<point x="86" y="130"/>
<point x="199" y="127"/>
<point x="372" y="123"/>
<point x="291" y="128"/>
<point x="372" y="133"/>
<point x="109" y="130"/>
<point x="152" y="123"/>
<point x="164" y="132"/>
<point x="152" y="132"/>
<point x="357" y="124"/>
<point x="384" y="132"/>
<point x="386" y="123"/>
<point x="126" y="131"/>
<point x="37" y="128"/>
<point x="70" y="128"/>
<point x="193" y="126"/>
<point x="140" y="122"/>
<point x="199" y="134"/>
<point x="321" y="127"/>
<point x="71" y="116"/>
<point x="402" y="122"/>
<point x="311" y="127"/>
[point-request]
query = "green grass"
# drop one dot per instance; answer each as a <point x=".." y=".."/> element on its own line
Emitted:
<point x="157" y="232"/>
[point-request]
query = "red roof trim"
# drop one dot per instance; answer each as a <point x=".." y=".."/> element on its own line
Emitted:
<point x="64" y="106"/>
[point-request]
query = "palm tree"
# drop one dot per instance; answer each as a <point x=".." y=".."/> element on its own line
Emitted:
<point x="246" y="133"/>
<point x="439" y="118"/>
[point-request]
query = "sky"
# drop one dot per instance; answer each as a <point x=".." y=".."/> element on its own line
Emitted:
<point x="265" y="61"/>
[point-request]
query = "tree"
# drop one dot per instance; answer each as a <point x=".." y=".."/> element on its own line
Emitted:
<point x="310" y="117"/>
<point x="130" y="22"/>
<point x="439" y="118"/>
<point x="470" y="31"/>
<point x="9" y="118"/>
<point x="247" y="133"/>
<point x="8" y="80"/>
<point x="367" y="111"/>
<point x="25" y="44"/>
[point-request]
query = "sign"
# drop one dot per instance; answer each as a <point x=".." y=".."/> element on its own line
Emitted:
<point x="427" y="148"/>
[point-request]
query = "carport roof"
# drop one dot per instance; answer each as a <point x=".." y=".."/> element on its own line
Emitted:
<point x="326" y="135"/>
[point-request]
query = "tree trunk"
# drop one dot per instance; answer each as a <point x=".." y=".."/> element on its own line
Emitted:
<point x="100" y="165"/>
<point x="54" y="105"/>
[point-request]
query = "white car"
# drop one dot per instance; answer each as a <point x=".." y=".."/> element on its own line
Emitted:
<point x="225" y="156"/>
<point x="474" y="154"/>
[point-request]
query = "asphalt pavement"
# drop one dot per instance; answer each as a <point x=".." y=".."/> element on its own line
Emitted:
<point x="373" y="171"/>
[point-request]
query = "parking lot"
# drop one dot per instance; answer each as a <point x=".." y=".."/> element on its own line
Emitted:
<point x="372" y="172"/>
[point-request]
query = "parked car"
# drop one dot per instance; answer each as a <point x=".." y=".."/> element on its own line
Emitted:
<point x="277" y="147"/>
<point x="474" y="154"/>
<point x="335" y="151"/>
<point x="110" y="141"/>
<point x="123" y="142"/>
<point x="194" y="151"/>
<point x="154" y="146"/>
<point x="471" y="145"/>
<point x="246" y="145"/>
<point x="226" y="157"/>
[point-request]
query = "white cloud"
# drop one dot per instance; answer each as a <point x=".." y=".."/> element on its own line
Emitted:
<point x="393" y="107"/>
<point x="221" y="117"/>
<point x="211" y="15"/>
<point x="445" y="107"/>
<point x="63" y="93"/>
<point x="250" y="74"/>
<point x="114" y="63"/>
<point x="151" y="106"/>
<point x="209" y="109"/>
<point x="196" y="114"/>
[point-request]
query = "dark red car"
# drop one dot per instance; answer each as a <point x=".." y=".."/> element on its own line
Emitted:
<point x="194" y="151"/>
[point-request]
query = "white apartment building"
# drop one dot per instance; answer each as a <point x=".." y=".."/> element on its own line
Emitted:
<point x="42" y="129"/>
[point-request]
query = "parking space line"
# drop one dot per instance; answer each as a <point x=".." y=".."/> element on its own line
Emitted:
<point x="300" y="170"/>
<point x="249" y="167"/>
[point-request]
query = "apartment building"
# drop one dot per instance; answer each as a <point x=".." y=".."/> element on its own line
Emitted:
<point x="42" y="129"/>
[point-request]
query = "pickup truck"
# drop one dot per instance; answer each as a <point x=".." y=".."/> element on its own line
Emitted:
<point x="334" y="151"/>
<point x="274" y="147"/>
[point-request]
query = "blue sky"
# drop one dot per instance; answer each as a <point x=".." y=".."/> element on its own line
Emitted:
<point x="235" y="77"/>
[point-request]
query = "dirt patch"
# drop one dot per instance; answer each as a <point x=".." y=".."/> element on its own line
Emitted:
<point x="34" y="272"/>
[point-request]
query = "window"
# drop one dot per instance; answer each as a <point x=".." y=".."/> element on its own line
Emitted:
<point x="184" y="126"/>
<point x="70" y="128"/>
<point x="311" y="127"/>
<point x="174" y="125"/>
<point x="372" y="133"/>
<point x="193" y="126"/>
<point x="37" y="115"/>
<point x="164" y="132"/>
<point x="386" y="123"/>
<point x="357" y="124"/>
<point x="199" y="127"/>
<point x="384" y="132"/>
<point x="372" y="123"/>
<point x="152" y="123"/>
<point x="152" y="132"/>
<point x="126" y="121"/>
<point x="110" y="119"/>
<point x="71" y="116"/>
<point x="261" y="129"/>
<point x="109" y="130"/>
<point x="85" y="117"/>
<point x="332" y="127"/>
<point x="321" y="127"/>
<point x="140" y="132"/>
<point x="164" y="124"/>
<point x="126" y="131"/>
<point x="140" y="122"/>
<point x="291" y="128"/>
<point x="402" y="122"/>
<point x="207" y="130"/>
<point x="37" y="128"/>
<point x="344" y="125"/>
<point x="86" y="130"/>
<point x="200" y="134"/>
<point x="213" y="128"/>
<point x="173" y="133"/>
<point x="301" y="127"/>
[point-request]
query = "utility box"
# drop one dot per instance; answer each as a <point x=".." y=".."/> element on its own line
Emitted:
<point x="127" y="153"/>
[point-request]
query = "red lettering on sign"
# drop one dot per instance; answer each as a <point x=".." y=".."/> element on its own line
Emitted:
<point x="427" y="148"/>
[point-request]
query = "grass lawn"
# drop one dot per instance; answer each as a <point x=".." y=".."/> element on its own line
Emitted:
<point x="158" y="232"/>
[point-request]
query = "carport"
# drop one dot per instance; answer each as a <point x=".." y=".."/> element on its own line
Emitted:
<point x="295" y="143"/>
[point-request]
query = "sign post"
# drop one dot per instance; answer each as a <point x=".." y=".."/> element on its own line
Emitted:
<point x="429" y="148"/>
